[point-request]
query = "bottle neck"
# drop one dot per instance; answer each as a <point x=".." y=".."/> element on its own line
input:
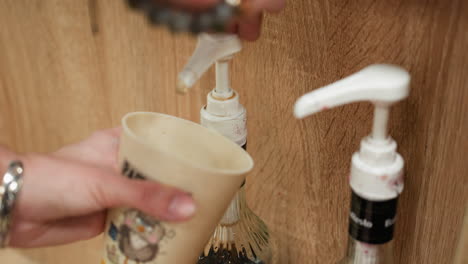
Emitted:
<point x="363" y="253"/>
<point x="234" y="212"/>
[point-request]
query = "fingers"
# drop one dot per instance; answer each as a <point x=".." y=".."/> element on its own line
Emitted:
<point x="100" y="148"/>
<point x="160" y="201"/>
<point x="59" y="188"/>
<point x="56" y="189"/>
<point x="250" y="28"/>
<point x="114" y="132"/>
<point x="64" y="231"/>
<point x="273" y="6"/>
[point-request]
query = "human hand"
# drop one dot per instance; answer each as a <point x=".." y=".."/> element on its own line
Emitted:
<point x="66" y="193"/>
<point x="247" y="26"/>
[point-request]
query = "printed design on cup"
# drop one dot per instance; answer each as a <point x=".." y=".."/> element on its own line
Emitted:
<point x="129" y="171"/>
<point x="134" y="236"/>
<point x="138" y="238"/>
<point x="112" y="254"/>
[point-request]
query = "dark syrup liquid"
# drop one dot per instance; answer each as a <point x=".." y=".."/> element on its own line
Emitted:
<point x="225" y="256"/>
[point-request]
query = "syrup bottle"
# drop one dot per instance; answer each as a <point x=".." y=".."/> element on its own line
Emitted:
<point x="241" y="236"/>
<point x="376" y="178"/>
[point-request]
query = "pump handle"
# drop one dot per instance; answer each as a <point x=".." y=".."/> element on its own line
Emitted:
<point x="381" y="84"/>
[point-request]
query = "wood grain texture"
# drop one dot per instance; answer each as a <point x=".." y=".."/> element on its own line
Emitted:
<point x="69" y="67"/>
<point x="461" y="256"/>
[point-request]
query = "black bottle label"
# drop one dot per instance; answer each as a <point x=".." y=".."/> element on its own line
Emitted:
<point x="372" y="222"/>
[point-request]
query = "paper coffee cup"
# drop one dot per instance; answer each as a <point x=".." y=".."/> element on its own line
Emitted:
<point x="185" y="155"/>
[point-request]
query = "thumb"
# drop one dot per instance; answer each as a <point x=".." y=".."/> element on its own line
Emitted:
<point x="155" y="199"/>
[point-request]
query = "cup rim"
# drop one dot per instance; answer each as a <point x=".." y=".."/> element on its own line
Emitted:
<point x="182" y="159"/>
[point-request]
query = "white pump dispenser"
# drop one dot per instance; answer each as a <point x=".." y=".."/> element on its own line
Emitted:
<point x="223" y="111"/>
<point x="377" y="168"/>
<point x="241" y="236"/>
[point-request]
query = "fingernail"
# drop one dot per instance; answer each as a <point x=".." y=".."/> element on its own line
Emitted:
<point x="182" y="206"/>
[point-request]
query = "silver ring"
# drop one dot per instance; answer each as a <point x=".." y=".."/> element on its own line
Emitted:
<point x="10" y="187"/>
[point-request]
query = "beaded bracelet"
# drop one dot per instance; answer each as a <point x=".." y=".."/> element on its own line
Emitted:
<point x="214" y="19"/>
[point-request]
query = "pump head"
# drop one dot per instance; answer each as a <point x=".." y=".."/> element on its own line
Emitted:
<point x="223" y="111"/>
<point x="377" y="168"/>
<point x="381" y="84"/>
<point x="211" y="48"/>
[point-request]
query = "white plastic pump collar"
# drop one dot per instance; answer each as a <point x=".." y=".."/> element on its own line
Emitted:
<point x="230" y="122"/>
<point x="223" y="107"/>
<point x="377" y="172"/>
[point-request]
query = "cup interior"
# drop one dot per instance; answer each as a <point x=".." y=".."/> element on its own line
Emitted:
<point x="187" y="141"/>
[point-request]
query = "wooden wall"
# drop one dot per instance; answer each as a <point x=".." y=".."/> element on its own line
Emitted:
<point x="69" y="67"/>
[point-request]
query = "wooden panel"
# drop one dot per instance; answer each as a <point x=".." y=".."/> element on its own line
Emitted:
<point x="461" y="256"/>
<point x="68" y="67"/>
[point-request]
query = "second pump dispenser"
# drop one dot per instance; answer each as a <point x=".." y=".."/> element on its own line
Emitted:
<point x="376" y="177"/>
<point x="241" y="236"/>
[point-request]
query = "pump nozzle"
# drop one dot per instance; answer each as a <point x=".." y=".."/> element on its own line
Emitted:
<point x="211" y="48"/>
